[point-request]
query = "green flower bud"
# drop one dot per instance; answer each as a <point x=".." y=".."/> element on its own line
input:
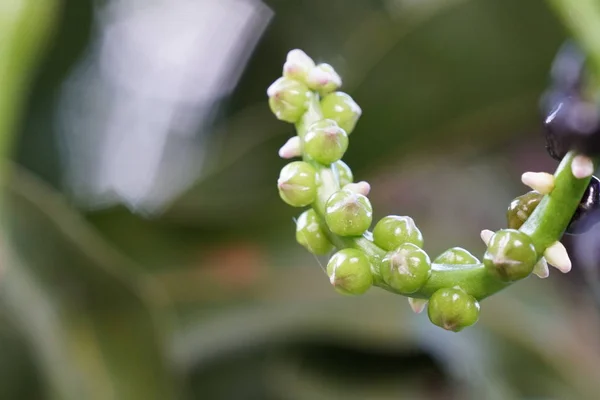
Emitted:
<point x="288" y="99"/>
<point x="393" y="230"/>
<point x="344" y="173"/>
<point x="340" y="107"/>
<point x="297" y="184"/>
<point x="453" y="309"/>
<point x="323" y="79"/>
<point x="349" y="271"/>
<point x="456" y="256"/>
<point x="348" y="213"/>
<point x="325" y="142"/>
<point x="310" y="235"/>
<point x="406" y="269"/>
<point x="298" y="65"/>
<point x="521" y="208"/>
<point x="510" y="255"/>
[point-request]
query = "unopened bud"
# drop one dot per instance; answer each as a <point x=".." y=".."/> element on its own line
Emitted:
<point x="394" y="230"/>
<point x="323" y="79"/>
<point x="453" y="309"/>
<point x="510" y="255"/>
<point x="298" y="65"/>
<point x="456" y="256"/>
<point x="406" y="269"/>
<point x="310" y="234"/>
<point x="288" y="99"/>
<point x="341" y="108"/>
<point x="348" y="213"/>
<point x="292" y="148"/>
<point x="325" y="142"/>
<point x="297" y="184"/>
<point x="349" y="271"/>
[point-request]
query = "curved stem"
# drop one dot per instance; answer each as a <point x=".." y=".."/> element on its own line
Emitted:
<point x="545" y="226"/>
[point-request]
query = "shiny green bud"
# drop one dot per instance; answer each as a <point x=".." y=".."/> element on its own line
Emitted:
<point x="297" y="184"/>
<point x="521" y="208"/>
<point x="349" y="271"/>
<point x="341" y="108"/>
<point x="456" y="256"/>
<point x="406" y="269"/>
<point x="288" y="99"/>
<point x="325" y="142"/>
<point x="310" y="234"/>
<point x="323" y="79"/>
<point x="393" y="230"/>
<point x="453" y="309"/>
<point x="348" y="213"/>
<point x="510" y="255"/>
<point x="344" y="173"/>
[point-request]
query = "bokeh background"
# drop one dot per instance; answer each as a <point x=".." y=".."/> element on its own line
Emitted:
<point x="147" y="254"/>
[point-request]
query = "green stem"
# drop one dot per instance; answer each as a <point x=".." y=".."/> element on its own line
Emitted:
<point x="552" y="216"/>
<point x="545" y="226"/>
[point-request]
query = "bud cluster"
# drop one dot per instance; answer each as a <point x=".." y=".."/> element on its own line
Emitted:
<point x="340" y="214"/>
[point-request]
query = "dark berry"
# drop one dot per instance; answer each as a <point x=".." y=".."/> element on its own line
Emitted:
<point x="581" y="223"/>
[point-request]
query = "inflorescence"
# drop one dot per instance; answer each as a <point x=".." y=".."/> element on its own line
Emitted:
<point x="339" y="213"/>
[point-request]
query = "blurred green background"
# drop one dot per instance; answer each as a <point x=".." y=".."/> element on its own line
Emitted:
<point x="207" y="295"/>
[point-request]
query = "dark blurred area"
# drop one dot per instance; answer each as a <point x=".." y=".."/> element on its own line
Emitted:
<point x="149" y="255"/>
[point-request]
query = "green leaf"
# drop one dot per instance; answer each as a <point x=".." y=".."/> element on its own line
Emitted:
<point x="96" y="330"/>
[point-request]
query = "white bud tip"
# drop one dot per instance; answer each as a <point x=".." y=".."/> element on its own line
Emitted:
<point x="486" y="236"/>
<point x="272" y="90"/>
<point x="322" y="75"/>
<point x="582" y="167"/>
<point x="417" y="305"/>
<point x="292" y="148"/>
<point x="361" y="187"/>
<point x="297" y="61"/>
<point x="542" y="182"/>
<point x="541" y="268"/>
<point x="557" y="256"/>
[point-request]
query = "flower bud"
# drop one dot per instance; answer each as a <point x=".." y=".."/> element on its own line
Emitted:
<point x="341" y="108"/>
<point x="456" y="256"/>
<point x="323" y="79"/>
<point x="510" y="255"/>
<point x="325" y="142"/>
<point x="406" y="269"/>
<point x="348" y="213"/>
<point x="288" y="99"/>
<point x="297" y="184"/>
<point x="310" y="235"/>
<point x="393" y="230"/>
<point x="298" y="65"/>
<point x="349" y="271"/>
<point x="521" y="208"/>
<point x="453" y="309"/>
<point x="344" y="173"/>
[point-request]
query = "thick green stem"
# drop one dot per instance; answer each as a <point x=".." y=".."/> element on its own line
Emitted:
<point x="545" y="226"/>
<point x="552" y="216"/>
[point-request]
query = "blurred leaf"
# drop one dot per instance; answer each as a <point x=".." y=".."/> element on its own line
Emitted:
<point x="427" y="76"/>
<point x="95" y="331"/>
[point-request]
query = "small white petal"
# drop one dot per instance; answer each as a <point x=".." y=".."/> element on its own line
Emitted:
<point x="582" y="166"/>
<point x="541" y="268"/>
<point x="292" y="148"/>
<point x="486" y="236"/>
<point x="542" y="182"/>
<point x="417" y="305"/>
<point x="361" y="187"/>
<point x="557" y="256"/>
